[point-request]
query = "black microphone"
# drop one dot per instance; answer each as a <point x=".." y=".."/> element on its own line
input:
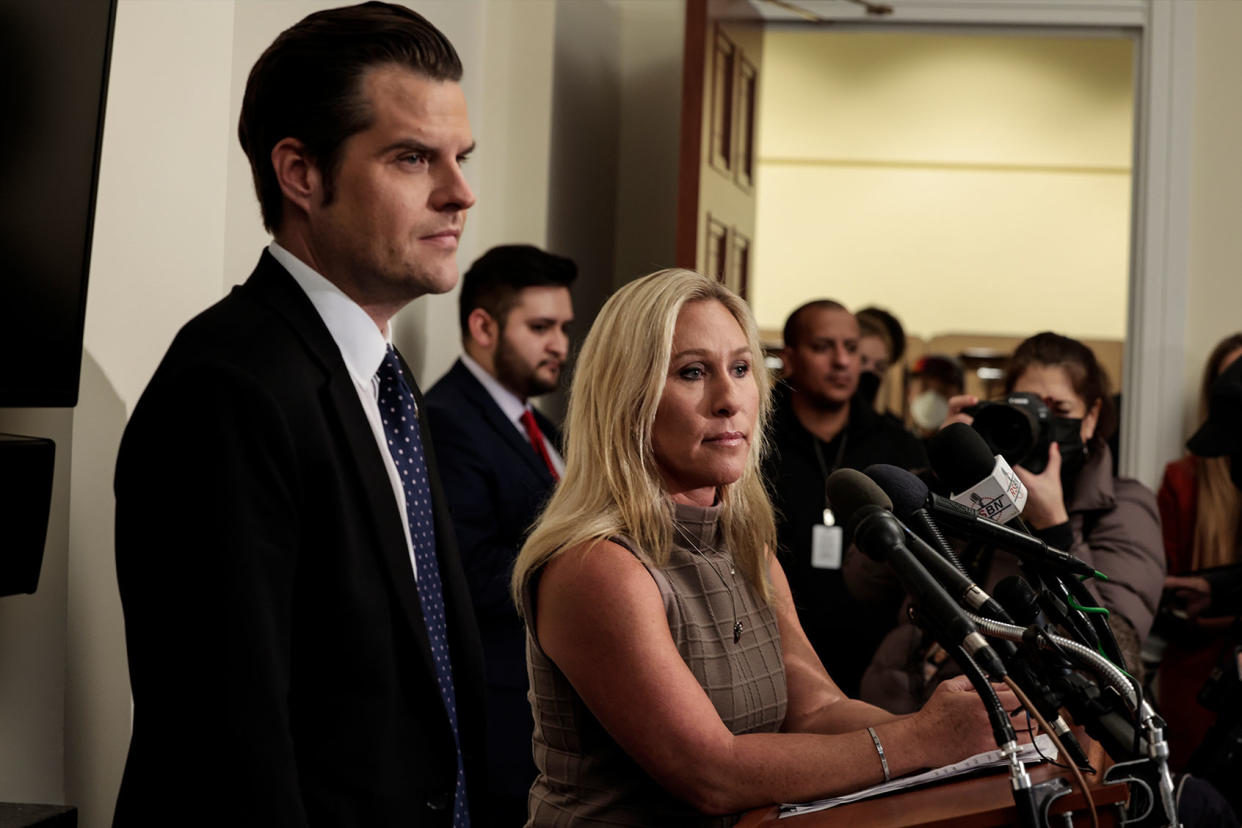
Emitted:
<point x="927" y="544"/>
<point x="1016" y="595"/>
<point x="969" y="523"/>
<point x="875" y="531"/>
<point x="1020" y="600"/>
<point x="978" y="480"/>
<point x="909" y="505"/>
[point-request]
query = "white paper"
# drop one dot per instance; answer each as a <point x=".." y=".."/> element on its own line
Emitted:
<point x="1027" y="754"/>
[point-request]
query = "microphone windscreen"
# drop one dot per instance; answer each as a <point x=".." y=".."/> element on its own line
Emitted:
<point x="906" y="491"/>
<point x="848" y="491"/>
<point x="1018" y="599"/>
<point x="960" y="456"/>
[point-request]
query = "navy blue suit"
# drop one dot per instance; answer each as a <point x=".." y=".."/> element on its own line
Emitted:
<point x="281" y="670"/>
<point x="496" y="485"/>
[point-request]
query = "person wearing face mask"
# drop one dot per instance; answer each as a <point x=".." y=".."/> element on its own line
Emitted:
<point x="1200" y="504"/>
<point x="875" y="356"/>
<point x="1075" y="504"/>
<point x="934" y="380"/>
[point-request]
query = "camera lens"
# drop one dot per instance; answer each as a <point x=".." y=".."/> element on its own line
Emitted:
<point x="1011" y="432"/>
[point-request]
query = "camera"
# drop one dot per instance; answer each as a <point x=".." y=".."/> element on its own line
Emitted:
<point x="1019" y="428"/>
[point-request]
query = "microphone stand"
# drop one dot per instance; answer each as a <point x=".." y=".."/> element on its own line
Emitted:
<point x="1026" y="799"/>
<point x="1157" y="749"/>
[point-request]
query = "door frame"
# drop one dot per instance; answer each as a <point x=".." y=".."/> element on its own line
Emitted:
<point x="1154" y="364"/>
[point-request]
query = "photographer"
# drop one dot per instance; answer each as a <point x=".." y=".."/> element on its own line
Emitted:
<point x="1074" y="503"/>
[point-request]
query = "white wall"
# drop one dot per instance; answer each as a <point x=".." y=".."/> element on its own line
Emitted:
<point x="937" y="174"/>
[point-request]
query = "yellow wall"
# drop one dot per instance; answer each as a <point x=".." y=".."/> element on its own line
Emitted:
<point x="1214" y="303"/>
<point x="967" y="182"/>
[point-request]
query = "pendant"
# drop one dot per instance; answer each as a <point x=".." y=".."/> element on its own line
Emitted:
<point x="737" y="631"/>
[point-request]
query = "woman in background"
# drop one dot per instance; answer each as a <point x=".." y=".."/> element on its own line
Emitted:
<point x="1075" y="504"/>
<point x="671" y="682"/>
<point x="1200" y="509"/>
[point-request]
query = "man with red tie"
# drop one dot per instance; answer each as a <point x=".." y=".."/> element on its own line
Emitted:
<point x="499" y="460"/>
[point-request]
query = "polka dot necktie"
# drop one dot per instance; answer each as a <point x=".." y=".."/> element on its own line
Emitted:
<point x="400" y="417"/>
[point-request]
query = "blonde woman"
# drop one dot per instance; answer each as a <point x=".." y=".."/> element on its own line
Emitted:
<point x="671" y="682"/>
<point x="1199" y="510"/>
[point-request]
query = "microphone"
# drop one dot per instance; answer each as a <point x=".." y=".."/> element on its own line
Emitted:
<point x="1016" y="595"/>
<point x="875" y="531"/>
<point x="969" y="523"/>
<point x="934" y="552"/>
<point x="909" y="505"/>
<point x="978" y="480"/>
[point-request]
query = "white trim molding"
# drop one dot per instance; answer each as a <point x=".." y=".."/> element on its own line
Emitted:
<point x="1151" y="425"/>
<point x="1154" y="364"/>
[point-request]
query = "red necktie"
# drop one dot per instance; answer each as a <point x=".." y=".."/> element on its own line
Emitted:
<point x="536" y="440"/>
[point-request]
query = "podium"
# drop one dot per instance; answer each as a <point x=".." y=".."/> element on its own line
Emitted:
<point x="973" y="802"/>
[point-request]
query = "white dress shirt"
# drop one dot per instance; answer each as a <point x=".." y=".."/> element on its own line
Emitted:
<point x="362" y="346"/>
<point x="513" y="408"/>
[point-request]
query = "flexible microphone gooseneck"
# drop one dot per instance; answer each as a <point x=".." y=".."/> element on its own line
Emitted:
<point x="875" y="531"/>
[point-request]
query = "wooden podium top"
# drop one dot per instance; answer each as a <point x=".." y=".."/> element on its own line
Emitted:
<point x="974" y="802"/>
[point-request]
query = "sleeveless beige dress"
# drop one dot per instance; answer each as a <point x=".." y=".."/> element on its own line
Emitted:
<point x="585" y="778"/>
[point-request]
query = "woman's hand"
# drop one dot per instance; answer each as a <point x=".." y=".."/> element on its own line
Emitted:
<point x="1045" y="500"/>
<point x="956" y="404"/>
<point x="955" y="721"/>
<point x="1191" y="594"/>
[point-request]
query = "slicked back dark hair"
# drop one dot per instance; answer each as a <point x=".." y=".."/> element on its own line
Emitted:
<point x="793" y="324"/>
<point x="308" y="86"/>
<point x="495" y="279"/>
<point x="1087" y="377"/>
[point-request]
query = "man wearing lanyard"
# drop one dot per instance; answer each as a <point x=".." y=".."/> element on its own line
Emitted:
<point x="819" y="426"/>
<point x="499" y="460"/>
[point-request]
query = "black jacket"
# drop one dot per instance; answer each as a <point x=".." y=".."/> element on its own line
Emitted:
<point x="843" y="631"/>
<point x="279" y="663"/>
<point x="496" y="486"/>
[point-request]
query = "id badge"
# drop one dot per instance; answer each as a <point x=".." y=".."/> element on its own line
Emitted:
<point x="827" y="540"/>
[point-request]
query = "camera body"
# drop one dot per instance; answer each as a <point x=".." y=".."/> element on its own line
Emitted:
<point x="1018" y="428"/>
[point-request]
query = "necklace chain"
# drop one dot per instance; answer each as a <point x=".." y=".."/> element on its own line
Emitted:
<point x="738" y="627"/>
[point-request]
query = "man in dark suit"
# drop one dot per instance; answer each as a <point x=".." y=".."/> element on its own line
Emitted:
<point x="500" y="459"/>
<point x="301" y="646"/>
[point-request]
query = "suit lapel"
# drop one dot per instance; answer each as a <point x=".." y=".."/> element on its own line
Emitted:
<point x="474" y="391"/>
<point x="273" y="285"/>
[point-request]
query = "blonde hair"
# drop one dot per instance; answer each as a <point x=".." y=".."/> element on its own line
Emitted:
<point x="612" y="485"/>
<point x="1218" y="513"/>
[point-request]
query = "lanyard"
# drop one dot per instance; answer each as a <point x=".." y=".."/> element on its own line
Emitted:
<point x="836" y="464"/>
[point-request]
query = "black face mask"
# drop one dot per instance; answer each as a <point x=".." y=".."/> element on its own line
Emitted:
<point x="1066" y="432"/>
<point x="868" y="387"/>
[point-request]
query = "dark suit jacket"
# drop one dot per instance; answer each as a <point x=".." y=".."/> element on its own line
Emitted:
<point x="280" y="666"/>
<point x="496" y="485"/>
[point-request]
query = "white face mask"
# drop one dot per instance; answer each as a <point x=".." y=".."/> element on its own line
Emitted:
<point x="929" y="409"/>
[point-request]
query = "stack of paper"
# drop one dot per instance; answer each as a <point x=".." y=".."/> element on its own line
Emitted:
<point x="1027" y="754"/>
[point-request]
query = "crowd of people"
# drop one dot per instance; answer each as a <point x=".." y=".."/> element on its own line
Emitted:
<point x="356" y="605"/>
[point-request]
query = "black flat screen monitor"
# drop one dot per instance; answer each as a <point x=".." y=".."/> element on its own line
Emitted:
<point x="54" y="57"/>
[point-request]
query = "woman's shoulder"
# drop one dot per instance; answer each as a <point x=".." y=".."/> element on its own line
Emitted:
<point x="594" y="566"/>
<point x="1180" y="474"/>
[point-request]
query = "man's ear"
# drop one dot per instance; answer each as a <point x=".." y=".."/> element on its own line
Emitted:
<point x="297" y="174"/>
<point x="786" y="363"/>
<point x="483" y="328"/>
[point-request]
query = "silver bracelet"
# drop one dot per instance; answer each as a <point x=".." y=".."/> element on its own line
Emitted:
<point x="879" y="749"/>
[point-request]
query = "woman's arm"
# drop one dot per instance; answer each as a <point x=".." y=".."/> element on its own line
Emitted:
<point x="816" y="704"/>
<point x="601" y="619"/>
